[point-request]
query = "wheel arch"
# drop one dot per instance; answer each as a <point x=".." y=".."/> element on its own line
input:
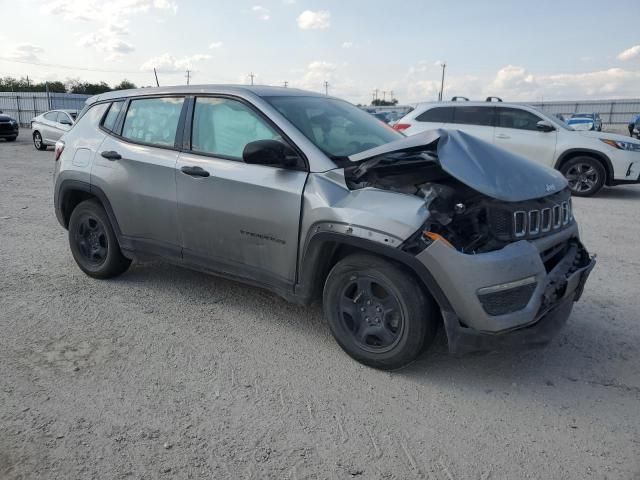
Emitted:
<point x="69" y="195"/>
<point x="585" y="152"/>
<point x="324" y="249"/>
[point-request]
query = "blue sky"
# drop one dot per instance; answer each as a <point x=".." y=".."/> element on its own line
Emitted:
<point x="517" y="50"/>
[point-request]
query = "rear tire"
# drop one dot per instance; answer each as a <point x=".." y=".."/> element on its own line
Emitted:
<point x="38" y="142"/>
<point x="585" y="175"/>
<point x="93" y="243"/>
<point x="377" y="311"/>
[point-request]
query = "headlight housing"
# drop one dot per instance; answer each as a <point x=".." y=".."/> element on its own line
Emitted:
<point x="621" y="145"/>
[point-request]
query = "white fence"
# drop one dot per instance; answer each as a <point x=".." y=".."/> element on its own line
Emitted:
<point x="615" y="114"/>
<point x="23" y="106"/>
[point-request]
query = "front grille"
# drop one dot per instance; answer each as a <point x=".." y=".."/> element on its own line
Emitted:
<point x="6" y="127"/>
<point x="530" y="219"/>
<point x="507" y="301"/>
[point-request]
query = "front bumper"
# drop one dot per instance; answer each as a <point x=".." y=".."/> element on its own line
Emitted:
<point x="554" y="285"/>
<point x="9" y="132"/>
<point x="626" y="167"/>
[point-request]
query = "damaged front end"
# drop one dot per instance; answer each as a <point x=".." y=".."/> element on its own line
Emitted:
<point x="500" y="238"/>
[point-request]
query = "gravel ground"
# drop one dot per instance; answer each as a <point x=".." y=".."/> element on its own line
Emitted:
<point x="167" y="373"/>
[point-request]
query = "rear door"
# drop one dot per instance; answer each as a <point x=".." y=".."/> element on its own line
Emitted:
<point x="237" y="218"/>
<point x="516" y="131"/>
<point x="478" y="121"/>
<point x="135" y="167"/>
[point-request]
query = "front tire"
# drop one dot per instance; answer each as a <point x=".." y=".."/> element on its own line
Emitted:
<point x="377" y="311"/>
<point x="93" y="243"/>
<point x="38" y="142"/>
<point x="585" y="175"/>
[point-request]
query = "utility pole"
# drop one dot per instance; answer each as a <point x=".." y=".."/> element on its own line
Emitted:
<point x="384" y="96"/>
<point x="156" y="74"/>
<point x="188" y="76"/>
<point x="391" y="95"/>
<point x="285" y="83"/>
<point x="251" y="75"/>
<point x="443" y="65"/>
<point x="326" y="87"/>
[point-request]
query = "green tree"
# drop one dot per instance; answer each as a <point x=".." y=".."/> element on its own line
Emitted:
<point x="378" y="102"/>
<point x="124" y="85"/>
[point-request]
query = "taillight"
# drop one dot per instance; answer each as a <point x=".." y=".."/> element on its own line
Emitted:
<point x="401" y="126"/>
<point x="59" y="149"/>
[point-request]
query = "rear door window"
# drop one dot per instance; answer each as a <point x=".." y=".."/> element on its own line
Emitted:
<point x="223" y="127"/>
<point x="63" y="117"/>
<point x="516" y="118"/>
<point x="153" y="121"/>
<point x="437" y="115"/>
<point x="483" y="116"/>
<point x="112" y="115"/>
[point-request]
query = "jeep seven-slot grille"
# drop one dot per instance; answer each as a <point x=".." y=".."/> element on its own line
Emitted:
<point x="531" y="219"/>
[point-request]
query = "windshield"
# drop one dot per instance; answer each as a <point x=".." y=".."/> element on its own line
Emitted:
<point x="336" y="127"/>
<point x="553" y="119"/>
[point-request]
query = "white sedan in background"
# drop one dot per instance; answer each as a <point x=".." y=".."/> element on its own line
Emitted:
<point x="47" y="128"/>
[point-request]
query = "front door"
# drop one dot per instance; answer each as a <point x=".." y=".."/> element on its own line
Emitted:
<point x="241" y="219"/>
<point x="516" y="131"/>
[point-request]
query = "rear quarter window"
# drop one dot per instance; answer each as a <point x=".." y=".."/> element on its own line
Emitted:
<point x="109" y="121"/>
<point x="437" y="115"/>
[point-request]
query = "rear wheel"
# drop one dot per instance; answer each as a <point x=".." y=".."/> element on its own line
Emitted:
<point x="377" y="312"/>
<point x="38" y="142"/>
<point x="93" y="243"/>
<point x="585" y="175"/>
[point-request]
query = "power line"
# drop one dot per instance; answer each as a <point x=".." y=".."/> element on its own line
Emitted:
<point x="68" y="67"/>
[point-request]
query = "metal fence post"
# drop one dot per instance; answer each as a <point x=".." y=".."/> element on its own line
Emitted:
<point x="18" y="108"/>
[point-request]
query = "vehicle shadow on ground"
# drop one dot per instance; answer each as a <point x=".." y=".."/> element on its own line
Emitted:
<point x="582" y="351"/>
<point x="622" y="192"/>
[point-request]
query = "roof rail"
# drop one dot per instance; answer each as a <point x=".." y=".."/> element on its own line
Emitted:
<point x="491" y="99"/>
<point x="456" y="99"/>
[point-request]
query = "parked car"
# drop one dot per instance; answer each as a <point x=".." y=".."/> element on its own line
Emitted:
<point x="634" y="126"/>
<point x="309" y="196"/>
<point x="47" y="128"/>
<point x="382" y="116"/>
<point x="589" y="160"/>
<point x="9" y="128"/>
<point x="585" y="121"/>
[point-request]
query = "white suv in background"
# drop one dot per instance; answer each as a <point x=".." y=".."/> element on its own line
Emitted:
<point x="587" y="159"/>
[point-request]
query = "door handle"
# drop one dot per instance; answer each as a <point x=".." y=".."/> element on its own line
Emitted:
<point x="194" y="171"/>
<point x="111" y="155"/>
<point x="502" y="135"/>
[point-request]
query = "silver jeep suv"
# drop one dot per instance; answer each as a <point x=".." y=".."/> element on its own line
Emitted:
<point x="310" y="197"/>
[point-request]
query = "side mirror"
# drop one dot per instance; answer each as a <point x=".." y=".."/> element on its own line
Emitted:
<point x="270" y="152"/>
<point x="545" y="126"/>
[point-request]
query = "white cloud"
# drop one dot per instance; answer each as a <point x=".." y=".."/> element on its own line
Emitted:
<point x="104" y="10"/>
<point x="347" y="44"/>
<point x="167" y="63"/>
<point x="108" y="40"/>
<point x="262" y="12"/>
<point x="24" y="52"/>
<point x="309" y="20"/>
<point x="629" y="53"/>
<point x="113" y="14"/>
<point x="215" y="45"/>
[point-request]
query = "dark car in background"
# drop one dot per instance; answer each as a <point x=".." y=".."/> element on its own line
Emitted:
<point x="9" y="127"/>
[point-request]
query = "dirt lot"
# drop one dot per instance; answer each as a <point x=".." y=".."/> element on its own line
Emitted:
<point x="167" y="373"/>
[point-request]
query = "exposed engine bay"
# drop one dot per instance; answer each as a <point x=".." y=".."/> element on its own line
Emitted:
<point x="470" y="221"/>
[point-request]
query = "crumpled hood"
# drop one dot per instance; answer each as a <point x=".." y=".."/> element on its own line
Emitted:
<point x="480" y="165"/>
